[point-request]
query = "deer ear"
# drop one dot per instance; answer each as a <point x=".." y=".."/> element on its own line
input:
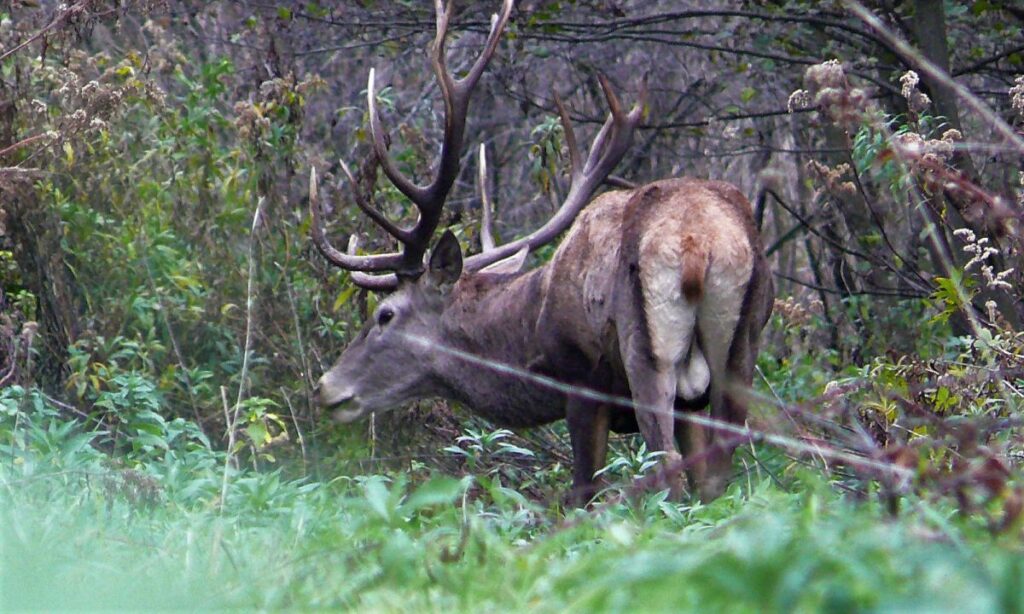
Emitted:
<point x="445" y="261"/>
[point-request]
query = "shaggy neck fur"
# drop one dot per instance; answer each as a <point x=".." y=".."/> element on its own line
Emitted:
<point x="495" y="317"/>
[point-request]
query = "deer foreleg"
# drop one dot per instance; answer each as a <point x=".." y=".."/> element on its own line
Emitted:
<point x="588" y="434"/>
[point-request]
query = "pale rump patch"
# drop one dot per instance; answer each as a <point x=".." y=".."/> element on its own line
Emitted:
<point x="671" y="321"/>
<point x="671" y="315"/>
<point x="719" y="313"/>
<point x="694" y="268"/>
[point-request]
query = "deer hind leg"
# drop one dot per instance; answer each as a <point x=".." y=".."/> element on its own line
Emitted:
<point x="664" y="363"/>
<point x="721" y="341"/>
<point x="693" y="439"/>
<point x="654" y="392"/>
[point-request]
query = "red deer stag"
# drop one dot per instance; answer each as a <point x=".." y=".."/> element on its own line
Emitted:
<point x="658" y="292"/>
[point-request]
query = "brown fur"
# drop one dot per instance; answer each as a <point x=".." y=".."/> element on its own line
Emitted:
<point x="694" y="269"/>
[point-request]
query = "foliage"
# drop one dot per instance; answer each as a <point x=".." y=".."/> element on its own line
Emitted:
<point x="83" y="530"/>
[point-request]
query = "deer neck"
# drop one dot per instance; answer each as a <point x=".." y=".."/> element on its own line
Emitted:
<point x="494" y="318"/>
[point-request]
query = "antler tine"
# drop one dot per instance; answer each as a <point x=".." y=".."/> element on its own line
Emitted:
<point x="575" y="164"/>
<point x="368" y="209"/>
<point x="368" y="281"/>
<point x="441" y="13"/>
<point x="351" y="262"/>
<point x="486" y="236"/>
<point x="498" y="21"/>
<point x="380" y="148"/>
<point x="610" y="145"/>
<point x="614" y="138"/>
<point x="429" y="198"/>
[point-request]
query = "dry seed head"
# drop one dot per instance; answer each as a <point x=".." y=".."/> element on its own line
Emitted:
<point x="828" y="74"/>
<point x="794" y="314"/>
<point x="1017" y="95"/>
<point x="916" y="101"/>
<point x="909" y="81"/>
<point x="798" y="100"/>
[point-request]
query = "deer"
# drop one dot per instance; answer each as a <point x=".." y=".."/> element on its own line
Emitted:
<point x="657" y="293"/>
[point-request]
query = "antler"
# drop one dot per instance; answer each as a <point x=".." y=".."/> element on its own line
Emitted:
<point x="609" y="146"/>
<point x="428" y="198"/>
<point x="486" y="234"/>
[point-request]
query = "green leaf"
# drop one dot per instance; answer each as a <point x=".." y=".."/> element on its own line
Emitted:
<point x="78" y="442"/>
<point x="507" y="448"/>
<point x="376" y="495"/>
<point x="142" y="439"/>
<point x="440" y="490"/>
<point x="257" y="432"/>
<point x="343" y="297"/>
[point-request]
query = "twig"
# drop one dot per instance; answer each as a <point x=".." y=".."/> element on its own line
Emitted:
<point x="229" y="419"/>
<point x="58" y="21"/>
<point x="22" y="143"/>
<point x="298" y="431"/>
<point x="250" y="302"/>
<point x="16" y="170"/>
<point x="307" y="368"/>
<point x="229" y="423"/>
<point x="67" y="407"/>
<point x="850" y="292"/>
<point x="924" y="291"/>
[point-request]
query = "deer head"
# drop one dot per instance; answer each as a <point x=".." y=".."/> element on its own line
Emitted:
<point x="391" y="361"/>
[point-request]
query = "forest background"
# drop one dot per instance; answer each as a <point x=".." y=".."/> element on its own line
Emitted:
<point x="164" y="316"/>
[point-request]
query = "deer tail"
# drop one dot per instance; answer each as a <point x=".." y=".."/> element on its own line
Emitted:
<point x="695" y="266"/>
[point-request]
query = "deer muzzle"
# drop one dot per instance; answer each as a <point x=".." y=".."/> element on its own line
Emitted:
<point x="345" y="405"/>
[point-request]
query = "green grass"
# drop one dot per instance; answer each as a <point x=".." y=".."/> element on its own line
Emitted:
<point x="95" y="537"/>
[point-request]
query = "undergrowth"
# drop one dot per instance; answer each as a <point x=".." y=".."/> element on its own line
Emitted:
<point x="178" y="525"/>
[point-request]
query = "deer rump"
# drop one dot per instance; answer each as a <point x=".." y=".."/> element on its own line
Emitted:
<point x="658" y="276"/>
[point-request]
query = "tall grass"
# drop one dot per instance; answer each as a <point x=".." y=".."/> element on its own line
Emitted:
<point x="82" y="529"/>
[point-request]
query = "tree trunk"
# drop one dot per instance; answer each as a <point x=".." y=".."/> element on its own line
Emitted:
<point x="36" y="234"/>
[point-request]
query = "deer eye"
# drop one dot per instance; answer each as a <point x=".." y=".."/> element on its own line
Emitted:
<point x="385" y="315"/>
